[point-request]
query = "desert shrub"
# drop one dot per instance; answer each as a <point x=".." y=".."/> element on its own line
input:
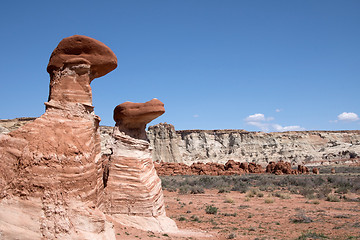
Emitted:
<point x="211" y="182"/>
<point x="206" y="181"/>
<point x="182" y="218"/>
<point x="252" y="229"/>
<point x="169" y="183"/>
<point x="171" y="189"/>
<point x="240" y="187"/>
<point x="293" y="190"/>
<point x="318" y="180"/>
<point x="243" y="206"/>
<point x="223" y="190"/>
<point x="231" y="236"/>
<point x="342" y="216"/>
<point x="339" y="181"/>
<point x="184" y="190"/>
<point x="310" y="186"/>
<point x="229" y="214"/>
<point x="282" y="195"/>
<point x="196" y="190"/>
<point x="260" y="194"/>
<point x="303" y="181"/>
<point x="332" y="198"/>
<point x="211" y="209"/>
<point x="266" y="187"/>
<point x="323" y="192"/>
<point x="229" y="200"/>
<point x="195" y="218"/>
<point x="342" y="190"/>
<point x="269" y="200"/>
<point x="252" y="193"/>
<point x="307" y="192"/>
<point x="312" y="235"/>
<point x="301" y="217"/>
<point x="357" y="225"/>
<point x="340" y="169"/>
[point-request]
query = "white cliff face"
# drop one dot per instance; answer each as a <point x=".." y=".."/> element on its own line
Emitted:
<point x="164" y="142"/>
<point x="189" y="146"/>
<point x="306" y="147"/>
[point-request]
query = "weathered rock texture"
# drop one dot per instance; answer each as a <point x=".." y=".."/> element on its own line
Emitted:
<point x="133" y="189"/>
<point x="219" y="146"/>
<point x="131" y="118"/>
<point x="231" y="167"/>
<point x="311" y="148"/>
<point x="282" y="167"/>
<point x="215" y="169"/>
<point x="50" y="169"/>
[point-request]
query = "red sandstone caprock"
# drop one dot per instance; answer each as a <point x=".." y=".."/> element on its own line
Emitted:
<point x="131" y="118"/>
<point x="74" y="63"/>
<point x="79" y="49"/>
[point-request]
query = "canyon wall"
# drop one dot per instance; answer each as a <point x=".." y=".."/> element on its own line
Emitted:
<point x="303" y="147"/>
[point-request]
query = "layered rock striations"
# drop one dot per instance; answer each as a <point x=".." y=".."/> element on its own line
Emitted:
<point x="165" y="143"/>
<point x="219" y="146"/>
<point x="133" y="191"/>
<point x="51" y="173"/>
<point x="190" y="146"/>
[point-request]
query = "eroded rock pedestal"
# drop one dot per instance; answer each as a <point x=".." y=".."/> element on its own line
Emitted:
<point x="50" y="169"/>
<point x="133" y="194"/>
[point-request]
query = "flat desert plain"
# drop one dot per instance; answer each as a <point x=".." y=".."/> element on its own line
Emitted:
<point x="261" y="207"/>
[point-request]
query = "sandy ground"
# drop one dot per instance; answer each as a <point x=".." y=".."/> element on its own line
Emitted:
<point x="267" y="217"/>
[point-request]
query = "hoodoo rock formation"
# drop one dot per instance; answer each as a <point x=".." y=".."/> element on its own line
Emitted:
<point x="50" y="169"/>
<point x="55" y="182"/>
<point x="133" y="191"/>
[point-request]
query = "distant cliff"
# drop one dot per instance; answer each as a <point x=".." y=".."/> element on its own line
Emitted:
<point x="189" y="146"/>
<point x="305" y="147"/>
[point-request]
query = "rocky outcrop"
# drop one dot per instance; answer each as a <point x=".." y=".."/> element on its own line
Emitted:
<point x="50" y="173"/>
<point x="219" y="146"/>
<point x="282" y="167"/>
<point x="229" y="168"/>
<point x="133" y="191"/>
<point x="214" y="169"/>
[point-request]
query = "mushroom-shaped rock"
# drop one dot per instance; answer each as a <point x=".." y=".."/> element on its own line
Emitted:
<point x="131" y="118"/>
<point x="50" y="168"/>
<point x="133" y="189"/>
<point x="74" y="63"/>
<point x="82" y="49"/>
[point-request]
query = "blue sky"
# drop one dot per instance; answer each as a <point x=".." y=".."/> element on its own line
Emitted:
<point x="216" y="64"/>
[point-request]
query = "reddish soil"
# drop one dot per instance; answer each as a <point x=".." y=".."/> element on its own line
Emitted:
<point x="267" y="217"/>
